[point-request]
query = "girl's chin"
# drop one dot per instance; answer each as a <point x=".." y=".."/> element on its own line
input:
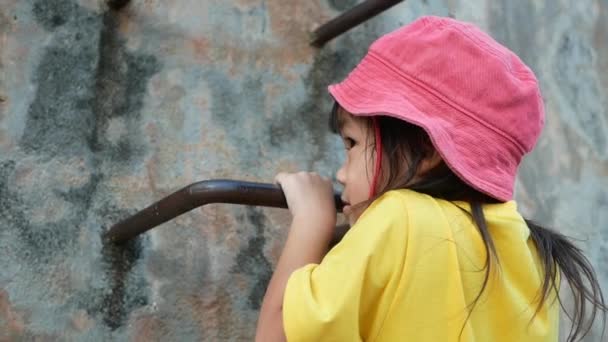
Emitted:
<point x="349" y="215"/>
<point x="346" y="210"/>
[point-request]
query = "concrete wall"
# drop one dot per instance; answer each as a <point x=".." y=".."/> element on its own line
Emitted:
<point x="101" y="113"/>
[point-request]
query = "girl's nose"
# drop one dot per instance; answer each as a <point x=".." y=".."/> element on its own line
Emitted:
<point x="341" y="175"/>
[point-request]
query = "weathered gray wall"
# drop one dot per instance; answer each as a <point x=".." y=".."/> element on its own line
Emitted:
<point x="101" y="113"/>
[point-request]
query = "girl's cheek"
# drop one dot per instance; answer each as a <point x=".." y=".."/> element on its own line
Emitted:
<point x="347" y="164"/>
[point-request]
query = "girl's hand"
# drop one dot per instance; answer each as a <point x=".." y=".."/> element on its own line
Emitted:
<point x="309" y="197"/>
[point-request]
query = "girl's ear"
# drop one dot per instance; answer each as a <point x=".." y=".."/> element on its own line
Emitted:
<point x="430" y="162"/>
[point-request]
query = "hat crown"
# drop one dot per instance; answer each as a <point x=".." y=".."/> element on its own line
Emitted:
<point x="470" y="71"/>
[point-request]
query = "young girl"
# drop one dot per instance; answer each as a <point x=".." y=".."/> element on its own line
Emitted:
<point x="435" y="121"/>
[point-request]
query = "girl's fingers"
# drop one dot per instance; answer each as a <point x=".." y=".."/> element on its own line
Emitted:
<point x="301" y="180"/>
<point x="280" y="177"/>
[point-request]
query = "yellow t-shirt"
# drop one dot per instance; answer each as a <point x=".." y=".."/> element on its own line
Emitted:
<point x="409" y="268"/>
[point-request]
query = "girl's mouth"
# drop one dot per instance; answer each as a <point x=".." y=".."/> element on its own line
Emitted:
<point x="346" y="208"/>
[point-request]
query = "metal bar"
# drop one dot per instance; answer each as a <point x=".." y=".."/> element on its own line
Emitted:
<point x="196" y="195"/>
<point x="117" y="4"/>
<point x="349" y="19"/>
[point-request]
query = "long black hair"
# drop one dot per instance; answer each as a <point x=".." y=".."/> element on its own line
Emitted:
<point x="558" y="256"/>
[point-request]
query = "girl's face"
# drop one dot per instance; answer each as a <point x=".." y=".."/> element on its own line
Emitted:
<point x="357" y="171"/>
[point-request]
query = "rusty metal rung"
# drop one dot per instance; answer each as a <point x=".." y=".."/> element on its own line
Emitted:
<point x="196" y="195"/>
<point x="117" y="4"/>
<point x="349" y="19"/>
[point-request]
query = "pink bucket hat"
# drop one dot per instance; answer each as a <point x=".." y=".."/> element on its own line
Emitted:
<point x="479" y="103"/>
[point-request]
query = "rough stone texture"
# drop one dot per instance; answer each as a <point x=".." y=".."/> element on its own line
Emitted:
<point x="102" y="112"/>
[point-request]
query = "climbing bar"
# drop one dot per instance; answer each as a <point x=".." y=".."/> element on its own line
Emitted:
<point x="117" y="4"/>
<point x="349" y="19"/>
<point x="196" y="195"/>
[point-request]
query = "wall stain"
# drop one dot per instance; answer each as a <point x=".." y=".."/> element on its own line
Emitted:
<point x="342" y="5"/>
<point x="52" y="14"/>
<point x="576" y="78"/>
<point x="57" y="123"/>
<point x="515" y="24"/>
<point x="86" y="76"/>
<point x="121" y="80"/>
<point x="119" y="302"/>
<point x="230" y="112"/>
<point x="41" y="243"/>
<point x="8" y="199"/>
<point x="600" y="37"/>
<point x="251" y="260"/>
<point x="312" y="116"/>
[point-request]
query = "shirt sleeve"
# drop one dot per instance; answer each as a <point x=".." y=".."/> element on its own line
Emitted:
<point x="340" y="298"/>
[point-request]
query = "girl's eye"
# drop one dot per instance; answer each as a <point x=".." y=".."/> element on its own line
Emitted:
<point x="348" y="143"/>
